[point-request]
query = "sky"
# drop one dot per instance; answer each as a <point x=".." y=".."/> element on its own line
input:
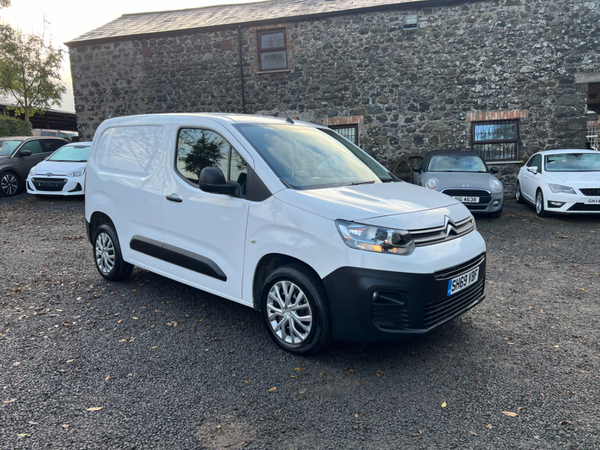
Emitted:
<point x="64" y="20"/>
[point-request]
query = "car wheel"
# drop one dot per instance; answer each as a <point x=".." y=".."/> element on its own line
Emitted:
<point x="496" y="214"/>
<point x="107" y="254"/>
<point x="539" y="204"/>
<point x="295" y="310"/>
<point x="9" y="184"/>
<point x="519" y="194"/>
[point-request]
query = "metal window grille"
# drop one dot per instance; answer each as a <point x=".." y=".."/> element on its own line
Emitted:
<point x="592" y="137"/>
<point x="272" y="49"/>
<point x="496" y="140"/>
<point x="350" y="132"/>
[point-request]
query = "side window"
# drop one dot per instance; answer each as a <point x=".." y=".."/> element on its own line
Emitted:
<point x="536" y="161"/>
<point x="198" y="148"/>
<point x="51" y="145"/>
<point x="33" y="146"/>
<point x="63" y="135"/>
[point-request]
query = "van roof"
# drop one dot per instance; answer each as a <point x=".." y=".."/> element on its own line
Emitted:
<point x="150" y="119"/>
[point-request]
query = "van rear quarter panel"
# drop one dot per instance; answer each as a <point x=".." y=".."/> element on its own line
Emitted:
<point x="125" y="177"/>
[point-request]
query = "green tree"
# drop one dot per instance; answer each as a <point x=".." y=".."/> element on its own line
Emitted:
<point x="29" y="71"/>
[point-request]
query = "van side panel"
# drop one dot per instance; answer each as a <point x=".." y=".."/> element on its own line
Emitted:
<point x="125" y="179"/>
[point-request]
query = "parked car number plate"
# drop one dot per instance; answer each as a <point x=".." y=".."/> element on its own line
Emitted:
<point x="467" y="199"/>
<point x="462" y="281"/>
<point x="594" y="201"/>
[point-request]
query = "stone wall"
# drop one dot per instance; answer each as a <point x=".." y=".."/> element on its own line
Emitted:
<point x="413" y="89"/>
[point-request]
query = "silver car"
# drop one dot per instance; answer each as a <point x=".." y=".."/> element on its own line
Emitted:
<point x="464" y="176"/>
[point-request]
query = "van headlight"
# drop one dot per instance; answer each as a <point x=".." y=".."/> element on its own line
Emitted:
<point x="375" y="239"/>
<point x="496" y="185"/>
<point x="76" y="173"/>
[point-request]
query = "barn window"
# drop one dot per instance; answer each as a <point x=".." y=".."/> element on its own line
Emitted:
<point x="496" y="140"/>
<point x="349" y="131"/>
<point x="272" y="49"/>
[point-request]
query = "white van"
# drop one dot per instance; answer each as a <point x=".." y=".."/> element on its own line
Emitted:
<point x="286" y="217"/>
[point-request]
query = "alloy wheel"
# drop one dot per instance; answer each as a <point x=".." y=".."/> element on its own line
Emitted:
<point x="289" y="312"/>
<point x="9" y="184"/>
<point x="105" y="253"/>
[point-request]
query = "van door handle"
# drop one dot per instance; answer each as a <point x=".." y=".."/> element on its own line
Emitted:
<point x="174" y="198"/>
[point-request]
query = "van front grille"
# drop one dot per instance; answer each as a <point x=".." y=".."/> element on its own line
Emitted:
<point x="443" y="233"/>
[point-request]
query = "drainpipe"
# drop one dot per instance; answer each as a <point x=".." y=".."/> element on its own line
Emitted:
<point x="241" y="70"/>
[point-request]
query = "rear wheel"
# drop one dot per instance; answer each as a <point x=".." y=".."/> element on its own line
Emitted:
<point x="107" y="254"/>
<point x="9" y="184"/>
<point x="539" y="204"/>
<point x="295" y="310"/>
<point x="519" y="194"/>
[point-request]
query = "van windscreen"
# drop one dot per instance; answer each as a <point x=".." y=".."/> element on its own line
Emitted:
<point x="307" y="158"/>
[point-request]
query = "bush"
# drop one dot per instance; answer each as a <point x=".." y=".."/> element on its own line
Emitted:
<point x="10" y="126"/>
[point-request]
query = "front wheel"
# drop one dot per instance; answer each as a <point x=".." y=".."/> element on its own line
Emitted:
<point x="518" y="193"/>
<point x="295" y="311"/>
<point x="107" y="254"/>
<point x="539" y="204"/>
<point x="496" y="214"/>
<point x="9" y="184"/>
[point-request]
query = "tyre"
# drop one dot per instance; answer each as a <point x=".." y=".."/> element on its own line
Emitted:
<point x="539" y="204"/>
<point x="9" y="184"/>
<point x="496" y="214"/>
<point x="519" y="194"/>
<point x="295" y="310"/>
<point x="107" y="254"/>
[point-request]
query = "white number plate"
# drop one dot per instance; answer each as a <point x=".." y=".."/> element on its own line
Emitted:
<point x="462" y="281"/>
<point x="467" y="199"/>
<point x="594" y="201"/>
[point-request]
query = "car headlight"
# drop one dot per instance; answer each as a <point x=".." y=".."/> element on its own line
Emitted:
<point x="32" y="171"/>
<point x="432" y="183"/>
<point x="76" y="173"/>
<point x="375" y="239"/>
<point x="496" y="185"/>
<point x="560" y="189"/>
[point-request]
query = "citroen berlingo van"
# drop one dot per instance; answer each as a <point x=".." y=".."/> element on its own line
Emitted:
<point x="285" y="217"/>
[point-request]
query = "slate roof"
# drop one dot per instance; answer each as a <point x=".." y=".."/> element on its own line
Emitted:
<point x="131" y="25"/>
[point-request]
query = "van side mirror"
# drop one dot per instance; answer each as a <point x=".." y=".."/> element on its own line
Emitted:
<point x="417" y="169"/>
<point x="212" y="180"/>
<point x="24" y="152"/>
<point x="494" y="170"/>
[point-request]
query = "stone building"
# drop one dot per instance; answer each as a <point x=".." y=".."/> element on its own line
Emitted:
<point x="402" y="77"/>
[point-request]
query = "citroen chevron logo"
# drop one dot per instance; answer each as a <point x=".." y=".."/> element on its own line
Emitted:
<point x="449" y="226"/>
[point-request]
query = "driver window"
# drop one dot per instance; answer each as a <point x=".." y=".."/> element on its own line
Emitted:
<point x="33" y="146"/>
<point x="198" y="148"/>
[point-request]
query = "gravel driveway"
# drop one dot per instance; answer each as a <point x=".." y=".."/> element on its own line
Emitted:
<point x="153" y="364"/>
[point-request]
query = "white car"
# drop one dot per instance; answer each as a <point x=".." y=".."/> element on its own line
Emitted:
<point x="561" y="181"/>
<point x="285" y="217"/>
<point x="62" y="173"/>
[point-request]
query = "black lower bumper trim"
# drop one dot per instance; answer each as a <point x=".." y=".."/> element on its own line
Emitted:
<point x="374" y="305"/>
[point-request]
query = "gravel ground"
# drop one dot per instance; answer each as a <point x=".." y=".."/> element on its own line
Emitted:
<point x="150" y="363"/>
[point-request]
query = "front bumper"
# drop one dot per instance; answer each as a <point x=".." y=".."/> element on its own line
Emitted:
<point x="571" y="204"/>
<point x="63" y="186"/>
<point x="489" y="202"/>
<point x="374" y="305"/>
